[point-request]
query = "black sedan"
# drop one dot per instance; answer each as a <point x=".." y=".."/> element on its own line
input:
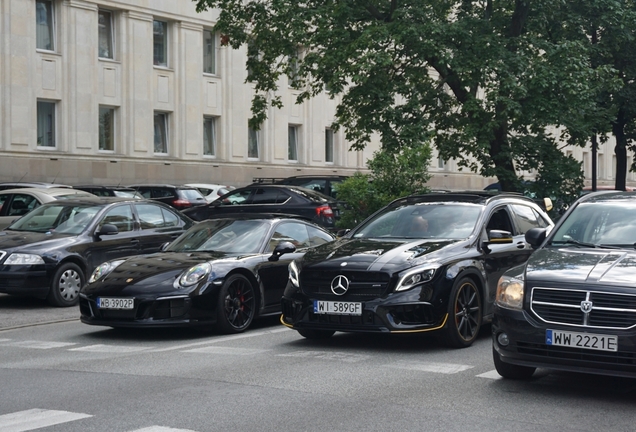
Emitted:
<point x="222" y="272"/>
<point x="572" y="306"/>
<point x="49" y="251"/>
<point x="257" y="198"/>
<point x="424" y="263"/>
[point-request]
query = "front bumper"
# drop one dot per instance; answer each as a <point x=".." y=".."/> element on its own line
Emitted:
<point x="403" y="312"/>
<point x="176" y="311"/>
<point x="527" y="347"/>
<point x="25" y="280"/>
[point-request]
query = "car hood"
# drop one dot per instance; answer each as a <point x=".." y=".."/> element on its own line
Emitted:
<point x="378" y="254"/>
<point x="156" y="273"/>
<point x="584" y="266"/>
<point x="33" y="241"/>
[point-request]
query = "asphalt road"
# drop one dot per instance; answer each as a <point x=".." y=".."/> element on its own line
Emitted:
<point x="61" y="375"/>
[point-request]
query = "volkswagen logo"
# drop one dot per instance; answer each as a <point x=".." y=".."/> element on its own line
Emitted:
<point x="339" y="285"/>
<point x="586" y="306"/>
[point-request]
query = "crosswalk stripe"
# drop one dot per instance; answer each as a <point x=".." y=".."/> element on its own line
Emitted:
<point x="110" y="348"/>
<point x="443" y="368"/>
<point x="37" y="344"/>
<point x="36" y="418"/>
<point x="493" y="374"/>
<point x="227" y="350"/>
<point x="221" y="339"/>
<point x="161" y="429"/>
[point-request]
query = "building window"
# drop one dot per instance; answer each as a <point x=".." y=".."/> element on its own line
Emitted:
<point x="46" y="124"/>
<point x="105" y="28"/>
<point x="253" y="56"/>
<point x="329" y="145"/>
<point x="160" y="43"/>
<point x="441" y="163"/>
<point x="586" y="165"/>
<point x="600" y="167"/>
<point x="292" y="144"/>
<point x="209" y="52"/>
<point x="252" y="144"/>
<point x="106" y="128"/>
<point x="293" y="79"/>
<point x="209" y="136"/>
<point x="45" y="25"/>
<point x="161" y="133"/>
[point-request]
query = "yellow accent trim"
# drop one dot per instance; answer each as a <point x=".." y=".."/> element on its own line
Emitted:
<point x="396" y="331"/>
<point x="501" y="240"/>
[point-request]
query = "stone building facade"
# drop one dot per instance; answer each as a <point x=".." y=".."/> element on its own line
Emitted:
<point x="121" y="92"/>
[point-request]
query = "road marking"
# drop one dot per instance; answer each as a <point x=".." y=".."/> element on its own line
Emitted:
<point x="38" y="344"/>
<point x="161" y="429"/>
<point x="443" y="368"/>
<point x="110" y="348"/>
<point x="490" y="375"/>
<point x="36" y="418"/>
<point x="226" y="350"/>
<point x="327" y="355"/>
<point x="221" y="339"/>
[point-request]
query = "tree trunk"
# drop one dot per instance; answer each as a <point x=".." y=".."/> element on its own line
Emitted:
<point x="618" y="129"/>
<point x="500" y="155"/>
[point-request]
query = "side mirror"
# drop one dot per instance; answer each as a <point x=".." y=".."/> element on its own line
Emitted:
<point x="497" y="237"/>
<point x="107" y="229"/>
<point x="342" y="232"/>
<point x="536" y="236"/>
<point x="282" y="248"/>
<point x="164" y="246"/>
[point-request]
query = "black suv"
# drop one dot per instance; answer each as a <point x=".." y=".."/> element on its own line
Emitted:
<point x="179" y="197"/>
<point x="280" y="199"/>
<point x="423" y="263"/>
<point x="572" y="306"/>
<point x="325" y="184"/>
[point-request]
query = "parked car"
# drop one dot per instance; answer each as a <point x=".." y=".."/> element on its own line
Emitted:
<point x="257" y="198"/>
<point x="223" y="272"/>
<point x="15" y="203"/>
<point x="210" y="191"/>
<point x="325" y="184"/>
<point x="116" y="191"/>
<point x="16" y="185"/>
<point x="572" y="306"/>
<point x="179" y="197"/>
<point x="49" y="251"/>
<point x="424" y="263"/>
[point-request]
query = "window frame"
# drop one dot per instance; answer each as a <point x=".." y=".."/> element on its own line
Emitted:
<point x="111" y="132"/>
<point x="329" y="146"/>
<point x="292" y="143"/>
<point x="165" y="132"/>
<point x="253" y="135"/>
<point x="209" y="136"/>
<point x="51" y="27"/>
<point x="163" y="61"/>
<point x="52" y="127"/>
<point x="208" y="54"/>
<point x="109" y="33"/>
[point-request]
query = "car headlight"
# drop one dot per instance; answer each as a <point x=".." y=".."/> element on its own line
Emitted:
<point x="510" y="292"/>
<point x="195" y="274"/>
<point x="104" y="269"/>
<point x="415" y="277"/>
<point x="294" y="274"/>
<point x="23" y="259"/>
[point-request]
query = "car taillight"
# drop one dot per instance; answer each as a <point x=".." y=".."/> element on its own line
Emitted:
<point x="180" y="204"/>
<point x="324" y="210"/>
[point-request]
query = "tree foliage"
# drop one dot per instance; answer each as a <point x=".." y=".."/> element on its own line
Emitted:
<point x="497" y="85"/>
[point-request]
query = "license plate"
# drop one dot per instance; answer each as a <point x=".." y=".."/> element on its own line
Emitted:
<point x="581" y="340"/>
<point x="115" y="303"/>
<point x="337" y="308"/>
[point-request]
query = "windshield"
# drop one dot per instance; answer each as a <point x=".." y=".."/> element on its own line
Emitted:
<point x="59" y="218"/>
<point x="599" y="223"/>
<point x="423" y="220"/>
<point x="223" y="235"/>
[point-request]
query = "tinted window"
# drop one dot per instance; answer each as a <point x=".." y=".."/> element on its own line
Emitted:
<point x="121" y="217"/>
<point x="3" y="199"/>
<point x="237" y="197"/>
<point x="162" y="193"/>
<point x="500" y="220"/>
<point x="526" y="218"/>
<point x="312" y="196"/>
<point x="22" y="204"/>
<point x="170" y="219"/>
<point x="150" y="216"/>
<point x="293" y="232"/>
<point x="233" y="236"/>
<point x="600" y="223"/>
<point x="191" y="194"/>
<point x="318" y="237"/>
<point x="269" y="196"/>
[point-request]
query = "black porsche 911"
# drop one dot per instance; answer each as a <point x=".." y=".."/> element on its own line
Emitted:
<point x="221" y="272"/>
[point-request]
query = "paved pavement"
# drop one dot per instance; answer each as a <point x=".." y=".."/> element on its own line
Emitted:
<point x="20" y="311"/>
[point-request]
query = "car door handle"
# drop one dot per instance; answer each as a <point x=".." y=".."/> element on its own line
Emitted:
<point x="134" y="241"/>
<point x="521" y="245"/>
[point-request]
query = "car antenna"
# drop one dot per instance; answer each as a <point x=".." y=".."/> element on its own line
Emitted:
<point x="22" y="176"/>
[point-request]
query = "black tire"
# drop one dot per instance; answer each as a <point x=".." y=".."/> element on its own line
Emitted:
<point x="236" y="305"/>
<point x="66" y="285"/>
<point x="465" y="314"/>
<point x="315" y="334"/>
<point x="511" y="371"/>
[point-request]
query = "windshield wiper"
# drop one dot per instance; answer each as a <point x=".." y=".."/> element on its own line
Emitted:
<point x="575" y="242"/>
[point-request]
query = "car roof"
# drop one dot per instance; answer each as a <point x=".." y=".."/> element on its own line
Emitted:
<point x="161" y="185"/>
<point x="98" y="200"/>
<point x="293" y="188"/>
<point x="15" y="185"/>
<point x="607" y="196"/>
<point x="47" y="191"/>
<point x="474" y="197"/>
<point x="126" y="188"/>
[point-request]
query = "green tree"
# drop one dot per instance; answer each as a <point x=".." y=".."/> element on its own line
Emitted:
<point x="498" y="85"/>
<point x="393" y="175"/>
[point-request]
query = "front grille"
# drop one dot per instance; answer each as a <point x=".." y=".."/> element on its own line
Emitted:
<point x="363" y="285"/>
<point x="617" y="358"/>
<point x="169" y="308"/>
<point x="565" y="306"/>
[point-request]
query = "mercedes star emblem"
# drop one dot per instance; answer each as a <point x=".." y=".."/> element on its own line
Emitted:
<point x="339" y="285"/>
